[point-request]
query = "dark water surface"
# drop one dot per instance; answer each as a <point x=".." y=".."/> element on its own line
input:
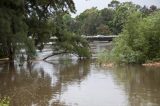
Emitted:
<point x="79" y="83"/>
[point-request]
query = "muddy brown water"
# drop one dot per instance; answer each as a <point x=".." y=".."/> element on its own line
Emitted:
<point x="71" y="82"/>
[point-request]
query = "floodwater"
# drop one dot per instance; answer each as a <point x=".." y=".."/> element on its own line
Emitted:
<point x="71" y="82"/>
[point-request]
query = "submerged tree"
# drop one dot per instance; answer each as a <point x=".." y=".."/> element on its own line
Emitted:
<point x="38" y="13"/>
<point x="26" y="24"/>
<point x="67" y="41"/>
<point x="13" y="28"/>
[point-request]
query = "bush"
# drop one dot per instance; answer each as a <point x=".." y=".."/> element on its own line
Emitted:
<point x="139" y="40"/>
<point x="104" y="57"/>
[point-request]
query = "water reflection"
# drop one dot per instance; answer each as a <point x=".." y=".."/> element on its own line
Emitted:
<point x="142" y="84"/>
<point x="38" y="83"/>
<point x="79" y="83"/>
<point x="25" y="87"/>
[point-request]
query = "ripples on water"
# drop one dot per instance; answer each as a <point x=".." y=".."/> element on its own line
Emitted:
<point x="79" y="83"/>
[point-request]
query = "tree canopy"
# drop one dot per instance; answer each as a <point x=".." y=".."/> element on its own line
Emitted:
<point x="29" y="24"/>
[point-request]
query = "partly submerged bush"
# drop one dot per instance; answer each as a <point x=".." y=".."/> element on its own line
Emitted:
<point x="104" y="57"/>
<point x="138" y="42"/>
<point x="74" y="44"/>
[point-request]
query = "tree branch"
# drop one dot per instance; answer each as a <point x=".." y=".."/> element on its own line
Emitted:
<point x="53" y="55"/>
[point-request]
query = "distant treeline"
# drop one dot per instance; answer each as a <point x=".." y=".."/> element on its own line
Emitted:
<point x="106" y="21"/>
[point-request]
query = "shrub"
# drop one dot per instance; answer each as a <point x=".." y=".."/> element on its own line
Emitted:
<point x="139" y="40"/>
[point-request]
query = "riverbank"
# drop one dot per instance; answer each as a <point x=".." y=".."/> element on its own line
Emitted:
<point x="108" y="65"/>
<point x="152" y="64"/>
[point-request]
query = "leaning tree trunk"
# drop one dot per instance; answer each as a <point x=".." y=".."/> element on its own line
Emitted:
<point x="10" y="52"/>
<point x="11" y="55"/>
<point x="53" y="54"/>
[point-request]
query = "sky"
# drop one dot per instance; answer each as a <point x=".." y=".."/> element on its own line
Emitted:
<point x="82" y="5"/>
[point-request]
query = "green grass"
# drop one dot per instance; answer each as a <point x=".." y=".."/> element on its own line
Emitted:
<point x="104" y="57"/>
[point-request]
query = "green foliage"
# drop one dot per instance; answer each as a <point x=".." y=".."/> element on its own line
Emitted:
<point x="93" y="21"/>
<point x="114" y="4"/>
<point x="112" y="18"/>
<point x="13" y="28"/>
<point x="103" y="30"/>
<point x="4" y="101"/>
<point x="81" y="47"/>
<point x="89" y="21"/>
<point x="29" y="24"/>
<point x="122" y="11"/>
<point x="139" y="40"/>
<point x="151" y="26"/>
<point x="68" y="41"/>
<point x="74" y="44"/>
<point x="105" y="57"/>
<point x="26" y="24"/>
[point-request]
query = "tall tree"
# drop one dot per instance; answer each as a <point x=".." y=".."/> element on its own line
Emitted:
<point x="21" y="20"/>
<point x="88" y="21"/>
<point x="37" y="14"/>
<point x="121" y="13"/>
<point x="13" y="28"/>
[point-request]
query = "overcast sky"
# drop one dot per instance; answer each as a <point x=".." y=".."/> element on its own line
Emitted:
<point x="82" y="5"/>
